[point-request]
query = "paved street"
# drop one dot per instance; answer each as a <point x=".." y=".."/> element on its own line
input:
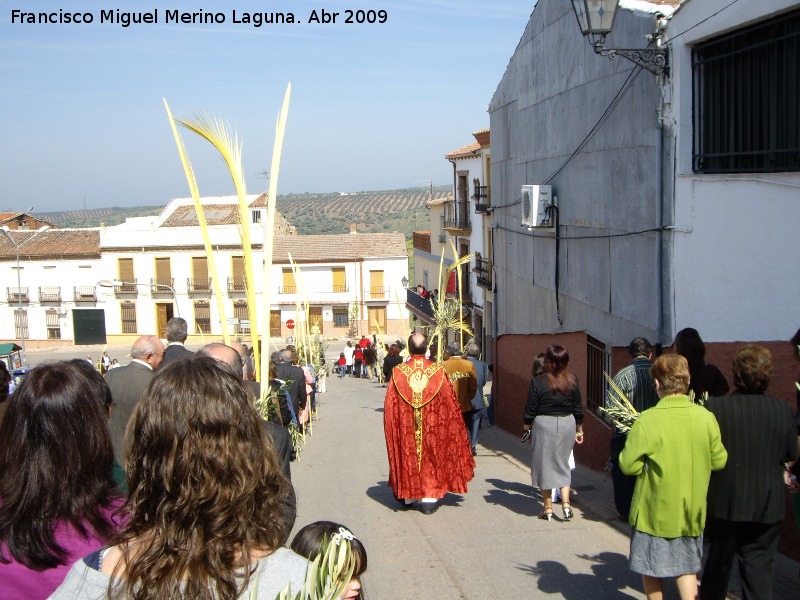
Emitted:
<point x="486" y="544"/>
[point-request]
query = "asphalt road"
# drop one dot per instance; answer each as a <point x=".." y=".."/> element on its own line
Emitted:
<point x="485" y="544"/>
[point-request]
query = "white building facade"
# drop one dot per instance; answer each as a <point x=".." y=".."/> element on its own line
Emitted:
<point x="112" y="284"/>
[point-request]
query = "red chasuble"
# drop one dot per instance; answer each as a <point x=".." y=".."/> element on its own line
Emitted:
<point x="429" y="451"/>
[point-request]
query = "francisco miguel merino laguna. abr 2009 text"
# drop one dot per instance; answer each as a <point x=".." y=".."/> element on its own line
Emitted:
<point x="199" y="17"/>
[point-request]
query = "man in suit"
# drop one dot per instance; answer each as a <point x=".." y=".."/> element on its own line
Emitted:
<point x="746" y="499"/>
<point x="462" y="375"/>
<point x="177" y="331"/>
<point x="232" y="359"/>
<point x="127" y="384"/>
<point x="296" y="380"/>
<point x="482" y="375"/>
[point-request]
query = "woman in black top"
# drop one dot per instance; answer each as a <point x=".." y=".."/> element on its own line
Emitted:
<point x="392" y="359"/>
<point x="554" y="413"/>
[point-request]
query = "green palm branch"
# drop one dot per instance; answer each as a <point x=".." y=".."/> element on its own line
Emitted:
<point x="327" y="575"/>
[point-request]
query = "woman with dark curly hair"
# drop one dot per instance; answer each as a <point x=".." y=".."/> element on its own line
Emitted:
<point x="204" y="500"/>
<point x="57" y="497"/>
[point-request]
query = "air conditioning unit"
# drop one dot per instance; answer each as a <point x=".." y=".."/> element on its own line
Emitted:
<point x="537" y="206"/>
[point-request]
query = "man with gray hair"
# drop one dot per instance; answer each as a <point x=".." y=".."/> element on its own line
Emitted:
<point x="231" y="359"/>
<point x="296" y="382"/>
<point x="482" y="375"/>
<point x="177" y="331"/>
<point x="127" y="384"/>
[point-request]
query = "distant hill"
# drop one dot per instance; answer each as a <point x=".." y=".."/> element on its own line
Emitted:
<point x="378" y="211"/>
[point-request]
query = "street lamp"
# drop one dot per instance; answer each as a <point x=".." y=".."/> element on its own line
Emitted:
<point x="116" y="283"/>
<point x="7" y="231"/>
<point x="596" y="19"/>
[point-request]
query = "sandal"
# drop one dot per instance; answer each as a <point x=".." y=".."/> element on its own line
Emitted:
<point x="546" y="515"/>
<point x="567" y="508"/>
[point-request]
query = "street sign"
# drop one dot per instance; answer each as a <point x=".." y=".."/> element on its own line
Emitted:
<point x="232" y="321"/>
<point x="290" y="324"/>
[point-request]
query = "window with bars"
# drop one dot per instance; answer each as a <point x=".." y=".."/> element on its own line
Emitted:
<point x="128" y="311"/>
<point x="202" y="317"/>
<point x="241" y="313"/>
<point x="21" y="323"/>
<point x="53" y="323"/>
<point x="341" y="317"/>
<point x="745" y="89"/>
<point x="598" y="361"/>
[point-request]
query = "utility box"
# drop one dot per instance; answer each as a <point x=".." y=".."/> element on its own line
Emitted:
<point x="537" y="206"/>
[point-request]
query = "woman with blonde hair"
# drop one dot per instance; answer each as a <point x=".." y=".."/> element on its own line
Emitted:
<point x="672" y="449"/>
<point x="204" y="501"/>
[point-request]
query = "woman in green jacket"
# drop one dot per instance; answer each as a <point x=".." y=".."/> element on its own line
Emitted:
<point x="672" y="449"/>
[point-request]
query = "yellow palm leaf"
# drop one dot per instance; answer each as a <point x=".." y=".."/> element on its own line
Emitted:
<point x="218" y="134"/>
<point x="269" y="228"/>
<point x="201" y="219"/>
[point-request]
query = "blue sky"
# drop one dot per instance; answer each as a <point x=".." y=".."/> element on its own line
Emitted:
<point x="373" y="106"/>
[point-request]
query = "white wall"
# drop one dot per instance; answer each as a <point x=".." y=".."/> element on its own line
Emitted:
<point x="735" y="254"/>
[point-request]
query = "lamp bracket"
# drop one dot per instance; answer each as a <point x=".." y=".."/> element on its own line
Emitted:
<point x="655" y="60"/>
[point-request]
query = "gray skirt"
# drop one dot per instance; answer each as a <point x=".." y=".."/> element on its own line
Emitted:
<point x="665" y="557"/>
<point x="553" y="438"/>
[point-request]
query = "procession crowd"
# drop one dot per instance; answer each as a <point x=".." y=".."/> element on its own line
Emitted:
<point x="158" y="479"/>
<point x="161" y="479"/>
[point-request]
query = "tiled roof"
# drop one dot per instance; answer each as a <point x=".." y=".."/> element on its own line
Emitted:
<point x="52" y="243"/>
<point x="216" y="214"/>
<point x="339" y="247"/>
<point x="465" y="151"/>
<point x="440" y="201"/>
<point x="7" y="217"/>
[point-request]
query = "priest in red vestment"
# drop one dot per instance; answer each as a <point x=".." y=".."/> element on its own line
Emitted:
<point x="429" y="451"/>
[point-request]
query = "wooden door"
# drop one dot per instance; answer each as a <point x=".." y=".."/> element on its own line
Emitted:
<point x="377" y="319"/>
<point x="163" y="314"/>
<point x="275" y="323"/>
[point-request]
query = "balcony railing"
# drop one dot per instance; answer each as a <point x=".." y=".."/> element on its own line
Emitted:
<point x="50" y="294"/>
<point x="85" y="293"/>
<point x="236" y="284"/>
<point x="376" y="292"/>
<point x="483" y="199"/>
<point x="483" y="272"/>
<point x="127" y="288"/>
<point x="456" y="216"/>
<point x="198" y="286"/>
<point x="17" y="295"/>
<point x="165" y="285"/>
<point x="314" y="289"/>
<point x="418" y="304"/>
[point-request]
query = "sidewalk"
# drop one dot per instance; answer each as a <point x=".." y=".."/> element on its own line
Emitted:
<point x="595" y="495"/>
<point x="485" y="544"/>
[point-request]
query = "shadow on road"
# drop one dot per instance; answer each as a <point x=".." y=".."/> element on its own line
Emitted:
<point x="610" y="576"/>
<point x="514" y="496"/>
<point x="382" y="494"/>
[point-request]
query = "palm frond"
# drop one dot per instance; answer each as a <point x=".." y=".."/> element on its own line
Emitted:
<point x="618" y="408"/>
<point x="218" y="134"/>
<point x="327" y="575"/>
<point x="201" y="219"/>
<point x="269" y="228"/>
